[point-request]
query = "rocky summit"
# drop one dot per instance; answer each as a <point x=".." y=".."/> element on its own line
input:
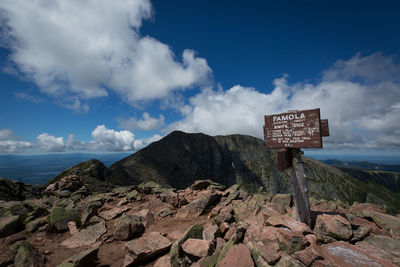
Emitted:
<point x="205" y="224"/>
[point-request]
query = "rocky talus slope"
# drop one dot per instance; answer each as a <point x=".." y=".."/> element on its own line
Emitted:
<point x="205" y="224"/>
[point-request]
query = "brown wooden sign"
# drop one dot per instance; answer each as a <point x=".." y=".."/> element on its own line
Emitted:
<point x="324" y="128"/>
<point x="294" y="129"/>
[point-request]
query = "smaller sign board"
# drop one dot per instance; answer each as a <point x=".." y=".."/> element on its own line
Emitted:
<point x="293" y="129"/>
<point x="324" y="127"/>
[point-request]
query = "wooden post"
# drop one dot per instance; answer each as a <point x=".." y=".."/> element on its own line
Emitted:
<point x="300" y="189"/>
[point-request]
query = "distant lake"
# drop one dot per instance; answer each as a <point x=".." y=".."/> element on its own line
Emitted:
<point x="38" y="169"/>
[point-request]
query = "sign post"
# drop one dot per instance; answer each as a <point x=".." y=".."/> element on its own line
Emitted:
<point x="291" y="131"/>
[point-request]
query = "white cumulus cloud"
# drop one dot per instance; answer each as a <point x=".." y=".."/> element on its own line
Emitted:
<point x="110" y="140"/>
<point x="74" y="50"/>
<point x="49" y="143"/>
<point x="9" y="143"/>
<point x="359" y="97"/>
<point x="147" y="123"/>
<point x="141" y="143"/>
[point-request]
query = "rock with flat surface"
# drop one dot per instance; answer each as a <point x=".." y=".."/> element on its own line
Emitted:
<point x="288" y="222"/>
<point x="9" y="225"/>
<point x="332" y="226"/>
<point x="382" y="247"/>
<point x="238" y="256"/>
<point x="347" y="255"/>
<point x="210" y="231"/>
<point x="86" y="258"/>
<point x="86" y="237"/>
<point x="197" y="247"/>
<point x="145" y="248"/>
<point x="164" y="261"/>
<point x="127" y="227"/>
<point x="196" y="208"/>
<point x="146" y="217"/>
<point x="112" y="213"/>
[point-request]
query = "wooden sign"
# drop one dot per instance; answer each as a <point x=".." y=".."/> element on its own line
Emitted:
<point x="294" y="129"/>
<point x="324" y="128"/>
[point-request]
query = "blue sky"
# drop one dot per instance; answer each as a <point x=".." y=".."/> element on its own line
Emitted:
<point x="104" y="76"/>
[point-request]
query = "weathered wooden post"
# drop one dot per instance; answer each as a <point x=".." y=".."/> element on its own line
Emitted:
<point x="291" y="131"/>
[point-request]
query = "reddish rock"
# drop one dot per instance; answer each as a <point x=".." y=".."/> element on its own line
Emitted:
<point x="347" y="255"/>
<point x="196" y="208"/>
<point x="164" y="261"/>
<point x="229" y="233"/>
<point x="332" y="226"/>
<point x="210" y="231"/>
<point x="145" y="248"/>
<point x="86" y="237"/>
<point x="146" y="217"/>
<point x="290" y="241"/>
<point x="238" y="256"/>
<point x="361" y="228"/>
<point x="309" y="255"/>
<point x="123" y="202"/>
<point x="112" y="213"/>
<point x="170" y="197"/>
<point x="197" y="247"/>
<point x="390" y="224"/>
<point x="224" y="227"/>
<point x="288" y="222"/>
<point x="72" y="228"/>
<point x="382" y="247"/>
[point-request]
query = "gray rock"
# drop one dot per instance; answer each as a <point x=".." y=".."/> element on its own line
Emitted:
<point x="9" y="225"/>
<point x="86" y="258"/>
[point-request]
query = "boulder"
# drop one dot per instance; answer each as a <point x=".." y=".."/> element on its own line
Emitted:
<point x="146" y="248"/>
<point x="170" y="197"/>
<point x="164" y="213"/>
<point x="195" y="231"/>
<point x="127" y="227"/>
<point x="197" y="248"/>
<point x="382" y="247"/>
<point x="390" y="224"/>
<point x="150" y="188"/>
<point x="109" y="214"/>
<point x="290" y="241"/>
<point x="35" y="224"/>
<point x="133" y="196"/>
<point x="287" y="260"/>
<point x="86" y="237"/>
<point x="26" y="255"/>
<point x="196" y="208"/>
<point x="145" y="216"/>
<point x="9" y="225"/>
<point x="238" y="256"/>
<point x="330" y="227"/>
<point x="210" y="231"/>
<point x="60" y="216"/>
<point x="288" y="222"/>
<point x="86" y="258"/>
<point x="346" y="255"/>
<point x="164" y="261"/>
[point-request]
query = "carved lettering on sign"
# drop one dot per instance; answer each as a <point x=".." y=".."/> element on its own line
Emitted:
<point x="293" y="129"/>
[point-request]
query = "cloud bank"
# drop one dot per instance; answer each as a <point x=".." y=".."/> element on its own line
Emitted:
<point x="78" y="50"/>
<point x="103" y="140"/>
<point x="147" y="123"/>
<point x="360" y="97"/>
<point x="9" y="143"/>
